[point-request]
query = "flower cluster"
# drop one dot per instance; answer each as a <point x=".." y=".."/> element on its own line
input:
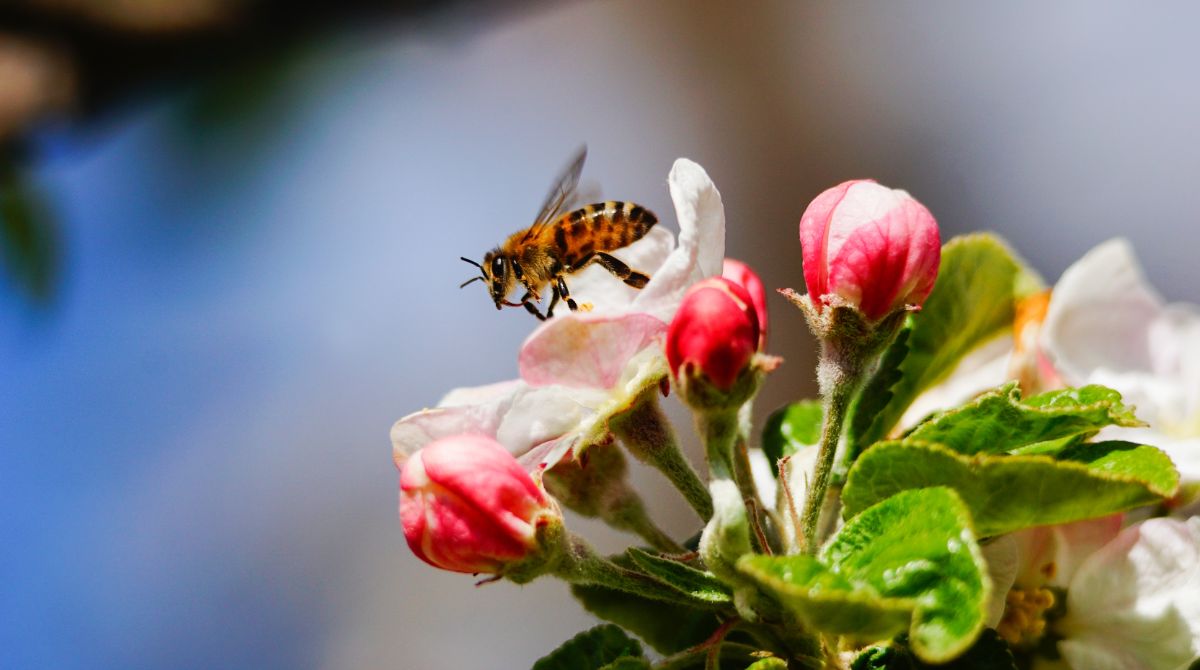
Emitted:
<point x="974" y="484"/>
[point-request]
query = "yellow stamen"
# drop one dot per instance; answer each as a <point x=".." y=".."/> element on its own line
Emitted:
<point x="1024" y="620"/>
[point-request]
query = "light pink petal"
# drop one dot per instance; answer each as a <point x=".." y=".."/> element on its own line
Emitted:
<point x="1051" y="555"/>
<point x="1100" y="314"/>
<point x="586" y="351"/>
<point x="1136" y="601"/>
<point x="418" y="429"/>
<point x="514" y="414"/>
<point x="814" y="237"/>
<point x="986" y="367"/>
<point x="701" y="247"/>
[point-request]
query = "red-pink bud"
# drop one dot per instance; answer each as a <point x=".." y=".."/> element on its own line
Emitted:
<point x="741" y="274"/>
<point x="467" y="505"/>
<point x="873" y="247"/>
<point x="715" y="330"/>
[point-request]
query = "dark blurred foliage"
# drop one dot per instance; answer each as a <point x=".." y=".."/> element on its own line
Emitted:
<point x="28" y="236"/>
<point x="74" y="61"/>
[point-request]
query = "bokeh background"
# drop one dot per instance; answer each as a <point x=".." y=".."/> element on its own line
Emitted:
<point x="231" y="233"/>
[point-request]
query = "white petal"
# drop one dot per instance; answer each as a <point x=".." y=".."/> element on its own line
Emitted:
<point x="764" y="480"/>
<point x="1100" y="313"/>
<point x="701" y="248"/>
<point x="605" y="293"/>
<point x="1002" y="563"/>
<point x="984" y="368"/>
<point x="516" y="415"/>
<point x="1136" y="599"/>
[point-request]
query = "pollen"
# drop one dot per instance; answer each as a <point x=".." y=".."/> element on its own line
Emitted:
<point x="586" y="306"/>
<point x="1024" y="621"/>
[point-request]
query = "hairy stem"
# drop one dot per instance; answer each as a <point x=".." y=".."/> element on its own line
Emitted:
<point x="581" y="564"/>
<point x="838" y="375"/>
<point x="645" y="432"/>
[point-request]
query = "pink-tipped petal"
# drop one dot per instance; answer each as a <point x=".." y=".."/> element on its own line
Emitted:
<point x="467" y="506"/>
<point x="584" y="350"/>
<point x="814" y="237"/>
<point x="872" y="247"/>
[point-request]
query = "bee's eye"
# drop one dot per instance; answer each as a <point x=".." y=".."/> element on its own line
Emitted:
<point x="498" y="266"/>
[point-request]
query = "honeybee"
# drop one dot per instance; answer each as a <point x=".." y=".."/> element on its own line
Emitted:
<point x="560" y="243"/>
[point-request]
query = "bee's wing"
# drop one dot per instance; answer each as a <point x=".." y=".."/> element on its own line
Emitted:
<point x="560" y="194"/>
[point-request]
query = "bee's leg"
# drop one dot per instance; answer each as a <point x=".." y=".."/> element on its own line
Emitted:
<point x="621" y="270"/>
<point x="532" y="308"/>
<point x="553" y="301"/>
<point x="560" y="288"/>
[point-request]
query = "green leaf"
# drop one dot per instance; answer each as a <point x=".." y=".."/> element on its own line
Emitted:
<point x="972" y="302"/>
<point x="867" y="407"/>
<point x="909" y="563"/>
<point x="1007" y="493"/>
<point x="592" y="649"/>
<point x="667" y="627"/>
<point x="989" y="652"/>
<point x="628" y="663"/>
<point x="790" y="429"/>
<point x="702" y="586"/>
<point x="999" y="421"/>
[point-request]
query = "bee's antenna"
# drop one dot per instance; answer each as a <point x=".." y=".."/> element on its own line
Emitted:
<point x="471" y="262"/>
<point x="464" y="284"/>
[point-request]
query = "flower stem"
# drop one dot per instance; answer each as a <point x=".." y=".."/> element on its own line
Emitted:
<point x="645" y="432"/>
<point x="838" y="375"/>
<point x="580" y="564"/>
<point x="630" y="514"/>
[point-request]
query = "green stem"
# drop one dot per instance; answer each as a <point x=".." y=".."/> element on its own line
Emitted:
<point x="581" y="564"/>
<point x="726" y="537"/>
<point x="839" y="375"/>
<point x="630" y="514"/>
<point x="648" y="436"/>
<point x="742" y="472"/>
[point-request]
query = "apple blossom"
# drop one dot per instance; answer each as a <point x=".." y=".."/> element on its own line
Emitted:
<point x="1103" y="597"/>
<point x="869" y="246"/>
<point x="580" y="369"/>
<point x="1106" y="325"/>
<point x="466" y="505"/>
<point x="1101" y="324"/>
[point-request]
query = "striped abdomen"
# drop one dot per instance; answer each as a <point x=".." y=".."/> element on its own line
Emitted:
<point x="604" y="226"/>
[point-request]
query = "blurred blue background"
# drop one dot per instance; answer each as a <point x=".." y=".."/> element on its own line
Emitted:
<point x="258" y="269"/>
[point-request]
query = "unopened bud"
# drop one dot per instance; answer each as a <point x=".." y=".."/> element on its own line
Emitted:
<point x="869" y="247"/>
<point x="466" y="505"/>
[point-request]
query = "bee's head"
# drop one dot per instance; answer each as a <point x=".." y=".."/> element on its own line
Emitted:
<point x="496" y="273"/>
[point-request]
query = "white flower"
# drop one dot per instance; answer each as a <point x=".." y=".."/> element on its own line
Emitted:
<point x="581" y="368"/>
<point x="1105" y="325"/>
<point x="1132" y="595"/>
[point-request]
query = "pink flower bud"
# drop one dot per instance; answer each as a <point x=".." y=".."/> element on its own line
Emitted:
<point x="741" y="274"/>
<point x="873" y="247"/>
<point x="715" y="332"/>
<point x="466" y="505"/>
